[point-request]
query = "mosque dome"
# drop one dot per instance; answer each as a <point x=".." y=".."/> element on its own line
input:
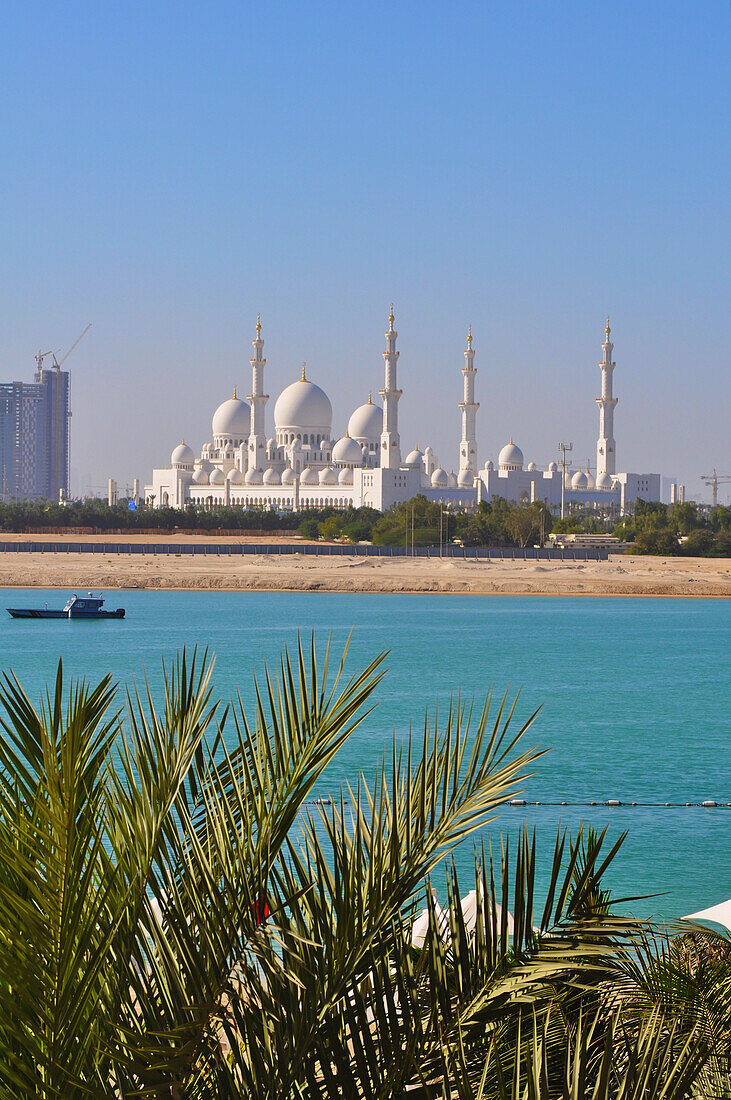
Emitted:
<point x="578" y="481"/>
<point x="511" y="457"/>
<point x="303" y="405"/>
<point x="604" y="481"/>
<point x="200" y="476"/>
<point x="489" y="465"/>
<point x="217" y="476"/>
<point x="288" y="476"/>
<point x="328" y="476"/>
<point x="366" y="423"/>
<point x="182" y="456"/>
<point x="271" y="443"/>
<point x="440" y="478"/>
<point x="552" y="467"/>
<point x="466" y="479"/>
<point x="309" y="476"/>
<point x="235" y="477"/>
<point x="232" y="417"/>
<point x="347" y="452"/>
<point x="428" y="451"/>
<point x="531" y="467"/>
<point x="254" y="476"/>
<point x="590" y="483"/>
<point x="271" y="477"/>
<point x="452" y="480"/>
<point x="345" y="477"/>
<point x="414" y="458"/>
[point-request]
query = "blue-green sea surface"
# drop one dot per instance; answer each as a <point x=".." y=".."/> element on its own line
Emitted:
<point x="634" y="696"/>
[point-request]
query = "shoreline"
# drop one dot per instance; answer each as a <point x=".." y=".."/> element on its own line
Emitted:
<point x="683" y="578"/>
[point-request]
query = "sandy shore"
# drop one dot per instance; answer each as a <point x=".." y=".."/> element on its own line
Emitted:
<point x="619" y="576"/>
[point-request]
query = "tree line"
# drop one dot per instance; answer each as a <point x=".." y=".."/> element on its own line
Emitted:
<point x="654" y="528"/>
<point x="683" y="528"/>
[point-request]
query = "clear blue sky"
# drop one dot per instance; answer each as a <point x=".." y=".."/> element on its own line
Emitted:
<point x="172" y="169"/>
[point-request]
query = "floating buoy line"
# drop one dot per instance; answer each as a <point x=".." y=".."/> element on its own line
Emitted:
<point x="706" y="804"/>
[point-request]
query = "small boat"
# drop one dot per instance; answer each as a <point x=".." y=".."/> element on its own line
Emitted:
<point x="78" y="607"/>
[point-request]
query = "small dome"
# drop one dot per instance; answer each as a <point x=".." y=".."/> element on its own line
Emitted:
<point x="489" y="465"/>
<point x="604" y="481"/>
<point x="254" y="476"/>
<point x="414" y="457"/>
<point x="182" y="456"/>
<point x="578" y="481"/>
<point x="511" y="457"/>
<point x="271" y="477"/>
<point x="452" y="480"/>
<point x="217" y="476"/>
<point x="325" y="445"/>
<point x="271" y="443"/>
<point x="531" y="466"/>
<point x="428" y="451"/>
<point x="345" y="477"/>
<point x="328" y="476"/>
<point x="590" y="483"/>
<point x="466" y="479"/>
<point x="235" y="477"/>
<point x="552" y="467"/>
<point x="366" y="423"/>
<point x="347" y="452"/>
<point x="303" y="405"/>
<point x="440" y="478"/>
<point x="200" y="476"/>
<point x="309" y="476"/>
<point x="288" y="476"/>
<point x="232" y="417"/>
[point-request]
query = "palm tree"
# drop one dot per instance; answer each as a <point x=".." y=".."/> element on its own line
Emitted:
<point x="178" y="919"/>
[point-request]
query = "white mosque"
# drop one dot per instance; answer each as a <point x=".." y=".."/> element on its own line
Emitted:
<point x="303" y="466"/>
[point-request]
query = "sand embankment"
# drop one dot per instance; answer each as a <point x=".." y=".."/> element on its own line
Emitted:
<point x="619" y="576"/>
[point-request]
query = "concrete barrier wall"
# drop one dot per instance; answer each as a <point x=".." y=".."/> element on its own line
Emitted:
<point x="223" y="549"/>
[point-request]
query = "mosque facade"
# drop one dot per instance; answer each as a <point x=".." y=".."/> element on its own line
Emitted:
<point x="302" y="465"/>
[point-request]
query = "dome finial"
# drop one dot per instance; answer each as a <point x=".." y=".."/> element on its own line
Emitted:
<point x="304" y="376"/>
<point x="607" y="329"/>
<point x="391" y="317"/>
<point x="258" y="323"/>
<point x="235" y="398"/>
<point x="370" y="397"/>
<point x="469" y="337"/>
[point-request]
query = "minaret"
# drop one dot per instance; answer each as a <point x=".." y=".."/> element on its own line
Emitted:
<point x="606" y="447"/>
<point x="469" y="407"/>
<point x="390" y="442"/>
<point x="257" y="397"/>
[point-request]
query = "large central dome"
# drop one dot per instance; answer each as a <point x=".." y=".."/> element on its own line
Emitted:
<point x="303" y="405"/>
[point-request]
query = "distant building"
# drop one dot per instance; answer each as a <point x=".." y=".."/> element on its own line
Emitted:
<point x="34" y="437"/>
<point x="303" y="464"/>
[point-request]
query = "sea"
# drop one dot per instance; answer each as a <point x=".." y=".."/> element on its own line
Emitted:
<point x="633" y="697"/>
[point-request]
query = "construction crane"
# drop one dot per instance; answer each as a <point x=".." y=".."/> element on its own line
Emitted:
<point x="41" y="356"/>
<point x="714" y="480"/>
<point x="56" y="363"/>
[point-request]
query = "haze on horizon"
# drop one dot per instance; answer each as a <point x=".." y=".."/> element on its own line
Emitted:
<point x="173" y="170"/>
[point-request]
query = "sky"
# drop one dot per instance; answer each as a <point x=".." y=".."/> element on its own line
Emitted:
<point x="172" y="169"/>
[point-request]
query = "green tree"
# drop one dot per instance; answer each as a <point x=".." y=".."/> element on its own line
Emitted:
<point x="175" y="922"/>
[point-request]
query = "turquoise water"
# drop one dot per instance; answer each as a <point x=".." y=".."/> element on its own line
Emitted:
<point x="634" y="695"/>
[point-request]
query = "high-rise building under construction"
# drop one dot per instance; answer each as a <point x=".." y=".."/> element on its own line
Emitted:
<point x="34" y="437"/>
